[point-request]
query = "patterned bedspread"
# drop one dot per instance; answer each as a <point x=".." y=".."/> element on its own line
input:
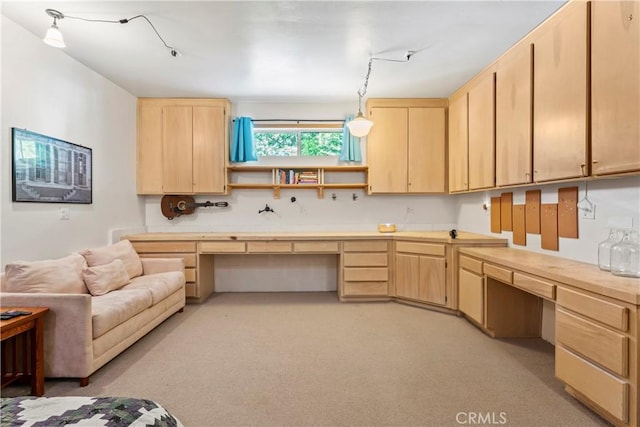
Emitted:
<point x="83" y="411"/>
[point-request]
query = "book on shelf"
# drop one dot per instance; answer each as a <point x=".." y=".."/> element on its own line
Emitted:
<point x="295" y="176"/>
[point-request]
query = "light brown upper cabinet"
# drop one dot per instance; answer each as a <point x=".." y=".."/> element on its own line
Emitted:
<point x="406" y="146"/>
<point x="182" y="146"/>
<point x="458" y="144"/>
<point x="615" y="87"/>
<point x="481" y="101"/>
<point x="560" y="95"/>
<point x="513" y="116"/>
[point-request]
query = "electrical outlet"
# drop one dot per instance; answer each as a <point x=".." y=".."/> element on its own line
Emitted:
<point x="64" y="213"/>
<point x="410" y="210"/>
<point x="588" y="212"/>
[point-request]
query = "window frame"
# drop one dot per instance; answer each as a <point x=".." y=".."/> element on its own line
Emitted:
<point x="298" y="129"/>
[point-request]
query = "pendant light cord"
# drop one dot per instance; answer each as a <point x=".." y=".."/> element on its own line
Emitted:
<point x="173" y="50"/>
<point x="362" y="92"/>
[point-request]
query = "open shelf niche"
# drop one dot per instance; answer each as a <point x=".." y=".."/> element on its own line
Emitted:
<point x="298" y="177"/>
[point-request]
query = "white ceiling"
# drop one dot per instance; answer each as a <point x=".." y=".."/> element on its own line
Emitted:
<point x="289" y="51"/>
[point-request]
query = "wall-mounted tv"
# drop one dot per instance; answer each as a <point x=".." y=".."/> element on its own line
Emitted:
<point x="50" y="170"/>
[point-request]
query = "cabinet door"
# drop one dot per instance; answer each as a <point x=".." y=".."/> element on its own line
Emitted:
<point x="481" y="134"/>
<point x="560" y="95"/>
<point x="149" y="149"/>
<point x="209" y="150"/>
<point x="615" y="86"/>
<point x="407" y="276"/>
<point x="458" y="145"/>
<point x="471" y="295"/>
<point x="513" y="117"/>
<point x="433" y="287"/>
<point x="387" y="150"/>
<point x="426" y="170"/>
<point x="177" y="136"/>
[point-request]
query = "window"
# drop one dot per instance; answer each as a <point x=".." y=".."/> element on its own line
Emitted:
<point x="296" y="141"/>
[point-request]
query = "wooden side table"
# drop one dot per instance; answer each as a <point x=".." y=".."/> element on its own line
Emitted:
<point x="23" y="348"/>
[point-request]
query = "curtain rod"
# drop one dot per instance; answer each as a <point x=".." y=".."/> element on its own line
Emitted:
<point x="295" y="120"/>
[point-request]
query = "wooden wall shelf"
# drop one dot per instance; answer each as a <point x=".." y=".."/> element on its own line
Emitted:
<point x="277" y="181"/>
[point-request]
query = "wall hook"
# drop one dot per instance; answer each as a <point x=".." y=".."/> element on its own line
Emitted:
<point x="267" y="208"/>
<point x="333" y="196"/>
<point x="293" y="199"/>
<point x="354" y="196"/>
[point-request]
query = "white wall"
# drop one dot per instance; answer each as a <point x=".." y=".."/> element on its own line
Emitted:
<point x="46" y="91"/>
<point x="616" y="199"/>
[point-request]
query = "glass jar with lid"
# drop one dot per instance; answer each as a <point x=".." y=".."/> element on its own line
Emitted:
<point x="625" y="255"/>
<point x="604" y="248"/>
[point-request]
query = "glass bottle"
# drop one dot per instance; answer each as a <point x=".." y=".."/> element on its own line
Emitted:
<point x="604" y="248"/>
<point x="625" y="255"/>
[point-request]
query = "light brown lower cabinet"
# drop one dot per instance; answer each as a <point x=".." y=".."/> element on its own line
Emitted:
<point x="184" y="250"/>
<point x="596" y="335"/>
<point x="471" y="295"/>
<point x="420" y="272"/>
<point x="365" y="270"/>
<point x="597" y="353"/>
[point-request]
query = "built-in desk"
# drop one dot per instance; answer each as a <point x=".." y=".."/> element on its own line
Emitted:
<point x="597" y="320"/>
<point x="413" y="267"/>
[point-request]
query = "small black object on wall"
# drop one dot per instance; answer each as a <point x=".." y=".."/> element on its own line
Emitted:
<point x="453" y="233"/>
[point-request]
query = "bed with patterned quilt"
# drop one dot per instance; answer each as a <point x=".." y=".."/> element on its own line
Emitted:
<point x="83" y="411"/>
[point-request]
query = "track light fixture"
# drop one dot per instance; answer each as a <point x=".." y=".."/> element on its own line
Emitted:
<point x="54" y="36"/>
<point x="360" y="126"/>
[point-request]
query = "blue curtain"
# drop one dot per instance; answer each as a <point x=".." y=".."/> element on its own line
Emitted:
<point x="350" y="144"/>
<point x="242" y="147"/>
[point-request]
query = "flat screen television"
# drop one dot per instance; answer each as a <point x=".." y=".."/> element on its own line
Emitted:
<point x="49" y="170"/>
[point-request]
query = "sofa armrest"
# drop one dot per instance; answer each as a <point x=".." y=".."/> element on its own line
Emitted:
<point x="68" y="341"/>
<point x="161" y="265"/>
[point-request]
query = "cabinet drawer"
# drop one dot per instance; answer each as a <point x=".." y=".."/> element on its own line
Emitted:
<point x="471" y="264"/>
<point x="471" y="295"/>
<point x="609" y="392"/>
<point x="366" y="260"/>
<point x="366" y="246"/>
<point x="322" y="247"/>
<point x="609" y="313"/>
<point x="366" y="274"/>
<point x="189" y="259"/>
<point x="222" y="247"/>
<point x="191" y="290"/>
<point x="420" y="248"/>
<point x="603" y="346"/>
<point x="269" y="247"/>
<point x="535" y="286"/>
<point x="353" y="289"/>
<point x="190" y="274"/>
<point x="502" y="274"/>
<point x="169" y="247"/>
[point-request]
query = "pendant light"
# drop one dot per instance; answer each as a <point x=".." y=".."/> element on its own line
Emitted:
<point x="54" y="36"/>
<point x="361" y="126"/>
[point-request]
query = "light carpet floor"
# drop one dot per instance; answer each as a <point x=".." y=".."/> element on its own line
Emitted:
<point x="304" y="359"/>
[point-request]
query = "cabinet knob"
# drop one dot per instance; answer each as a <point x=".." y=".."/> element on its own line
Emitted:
<point x="594" y="161"/>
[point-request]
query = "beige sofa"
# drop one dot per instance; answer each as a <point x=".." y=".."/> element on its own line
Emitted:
<point x="101" y="301"/>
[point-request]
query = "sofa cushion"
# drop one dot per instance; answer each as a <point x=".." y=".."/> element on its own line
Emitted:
<point x="122" y="250"/>
<point x="110" y="310"/>
<point x="60" y="276"/>
<point x="105" y="278"/>
<point x="160" y="285"/>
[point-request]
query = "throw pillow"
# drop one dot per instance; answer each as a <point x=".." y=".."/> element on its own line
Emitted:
<point x="60" y="276"/>
<point x="105" y="278"/>
<point x="123" y="250"/>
